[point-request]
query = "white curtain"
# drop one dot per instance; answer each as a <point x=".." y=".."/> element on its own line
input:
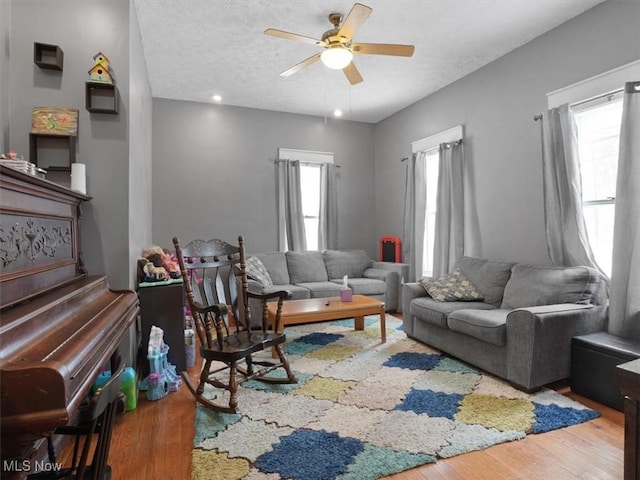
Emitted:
<point x="624" y="301"/>
<point x="449" y="226"/>
<point x="328" y="217"/>
<point x="291" y="234"/>
<point x="415" y="200"/>
<point x="567" y="240"/>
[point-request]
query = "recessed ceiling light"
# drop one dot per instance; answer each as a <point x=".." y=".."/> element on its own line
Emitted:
<point x="337" y="112"/>
<point x="217" y="98"/>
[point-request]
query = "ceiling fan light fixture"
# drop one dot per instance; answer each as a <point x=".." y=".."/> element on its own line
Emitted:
<point x="336" y="57"/>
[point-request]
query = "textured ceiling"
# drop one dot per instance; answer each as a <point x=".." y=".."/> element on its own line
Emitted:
<point x="195" y="48"/>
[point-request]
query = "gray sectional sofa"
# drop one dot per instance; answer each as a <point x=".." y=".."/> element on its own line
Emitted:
<point x="313" y="274"/>
<point x="521" y="328"/>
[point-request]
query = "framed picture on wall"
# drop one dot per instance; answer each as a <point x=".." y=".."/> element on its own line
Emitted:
<point x="55" y="121"/>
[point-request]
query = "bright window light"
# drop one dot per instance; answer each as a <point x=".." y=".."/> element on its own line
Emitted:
<point x="431" y="172"/>
<point x="598" y="125"/>
<point x="310" y="188"/>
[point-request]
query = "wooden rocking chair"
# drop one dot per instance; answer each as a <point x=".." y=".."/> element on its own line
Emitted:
<point x="215" y="283"/>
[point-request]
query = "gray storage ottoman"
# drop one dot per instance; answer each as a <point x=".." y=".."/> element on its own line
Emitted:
<point x="594" y="358"/>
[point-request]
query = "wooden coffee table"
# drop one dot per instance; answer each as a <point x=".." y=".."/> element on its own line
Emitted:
<point x="295" y="312"/>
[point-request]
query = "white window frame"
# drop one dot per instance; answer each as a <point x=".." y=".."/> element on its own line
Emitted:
<point x="433" y="141"/>
<point x="596" y="86"/>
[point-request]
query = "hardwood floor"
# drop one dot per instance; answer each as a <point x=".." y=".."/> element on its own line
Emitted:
<point x="154" y="441"/>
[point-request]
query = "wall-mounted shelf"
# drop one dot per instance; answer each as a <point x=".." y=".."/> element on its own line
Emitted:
<point x="55" y="154"/>
<point x="48" y="56"/>
<point x="56" y="162"/>
<point x="101" y="97"/>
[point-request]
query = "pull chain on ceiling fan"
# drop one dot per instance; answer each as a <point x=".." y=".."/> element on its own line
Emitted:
<point x="338" y="45"/>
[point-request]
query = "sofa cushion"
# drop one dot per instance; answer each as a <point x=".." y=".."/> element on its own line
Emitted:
<point x="346" y="262"/>
<point x="306" y="267"/>
<point x="452" y="287"/>
<point x="257" y="271"/>
<point x="276" y="265"/>
<point x="532" y="285"/>
<point x="297" y="292"/>
<point x="364" y="286"/>
<point x="322" y="289"/>
<point x="435" y="313"/>
<point x="488" y="276"/>
<point x="490" y="326"/>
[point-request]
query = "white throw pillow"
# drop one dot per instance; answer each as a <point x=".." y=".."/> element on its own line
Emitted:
<point x="257" y="271"/>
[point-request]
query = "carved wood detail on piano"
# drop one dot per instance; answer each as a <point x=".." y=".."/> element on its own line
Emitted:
<point x="39" y="236"/>
<point x="31" y="242"/>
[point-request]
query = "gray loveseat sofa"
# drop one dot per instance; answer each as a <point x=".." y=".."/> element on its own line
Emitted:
<point x="314" y="274"/>
<point x="522" y="328"/>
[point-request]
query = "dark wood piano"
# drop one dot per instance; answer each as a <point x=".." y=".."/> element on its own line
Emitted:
<point x="59" y="327"/>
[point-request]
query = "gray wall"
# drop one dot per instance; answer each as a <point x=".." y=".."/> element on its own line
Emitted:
<point x="504" y="205"/>
<point x="140" y="144"/>
<point x="82" y="29"/>
<point x="5" y="29"/>
<point x="214" y="173"/>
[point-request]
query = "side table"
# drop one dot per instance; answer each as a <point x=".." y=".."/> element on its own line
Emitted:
<point x="629" y="383"/>
<point x="162" y="305"/>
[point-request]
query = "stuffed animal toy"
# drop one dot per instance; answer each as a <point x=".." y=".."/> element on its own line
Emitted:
<point x="153" y="273"/>
<point x="161" y="258"/>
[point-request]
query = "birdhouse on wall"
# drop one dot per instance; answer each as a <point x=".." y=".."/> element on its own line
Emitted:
<point x="101" y="71"/>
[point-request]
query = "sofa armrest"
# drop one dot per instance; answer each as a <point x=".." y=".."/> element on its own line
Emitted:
<point x="539" y="341"/>
<point x="410" y="291"/>
<point x="391" y="280"/>
<point x="403" y="274"/>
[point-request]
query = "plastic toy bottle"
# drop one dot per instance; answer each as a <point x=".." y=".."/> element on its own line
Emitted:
<point x="101" y="380"/>
<point x="128" y="387"/>
<point x="190" y="347"/>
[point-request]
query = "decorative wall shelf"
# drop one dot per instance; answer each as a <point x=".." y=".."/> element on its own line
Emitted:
<point x="101" y="97"/>
<point x="48" y="56"/>
<point x="58" y="170"/>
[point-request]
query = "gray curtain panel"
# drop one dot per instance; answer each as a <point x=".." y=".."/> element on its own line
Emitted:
<point x="291" y="234"/>
<point x="415" y="205"/>
<point x="624" y="303"/>
<point x="328" y="217"/>
<point x="567" y="240"/>
<point x="449" y="226"/>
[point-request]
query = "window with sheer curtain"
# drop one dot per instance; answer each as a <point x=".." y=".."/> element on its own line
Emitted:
<point x="598" y="133"/>
<point x="311" y="186"/>
<point x="422" y="185"/>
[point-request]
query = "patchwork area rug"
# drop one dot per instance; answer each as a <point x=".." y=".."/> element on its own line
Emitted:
<point x="363" y="410"/>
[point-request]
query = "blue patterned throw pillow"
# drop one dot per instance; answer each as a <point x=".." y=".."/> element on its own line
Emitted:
<point x="257" y="271"/>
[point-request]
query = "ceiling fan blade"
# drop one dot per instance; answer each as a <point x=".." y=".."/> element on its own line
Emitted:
<point x="301" y="65"/>
<point x="352" y="74"/>
<point x="382" y="49"/>
<point x="357" y="16"/>
<point x="294" y="36"/>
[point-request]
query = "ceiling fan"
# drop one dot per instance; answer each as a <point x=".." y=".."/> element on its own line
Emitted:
<point x="338" y="44"/>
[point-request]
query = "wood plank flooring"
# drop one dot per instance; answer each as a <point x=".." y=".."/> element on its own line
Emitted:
<point x="155" y="440"/>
